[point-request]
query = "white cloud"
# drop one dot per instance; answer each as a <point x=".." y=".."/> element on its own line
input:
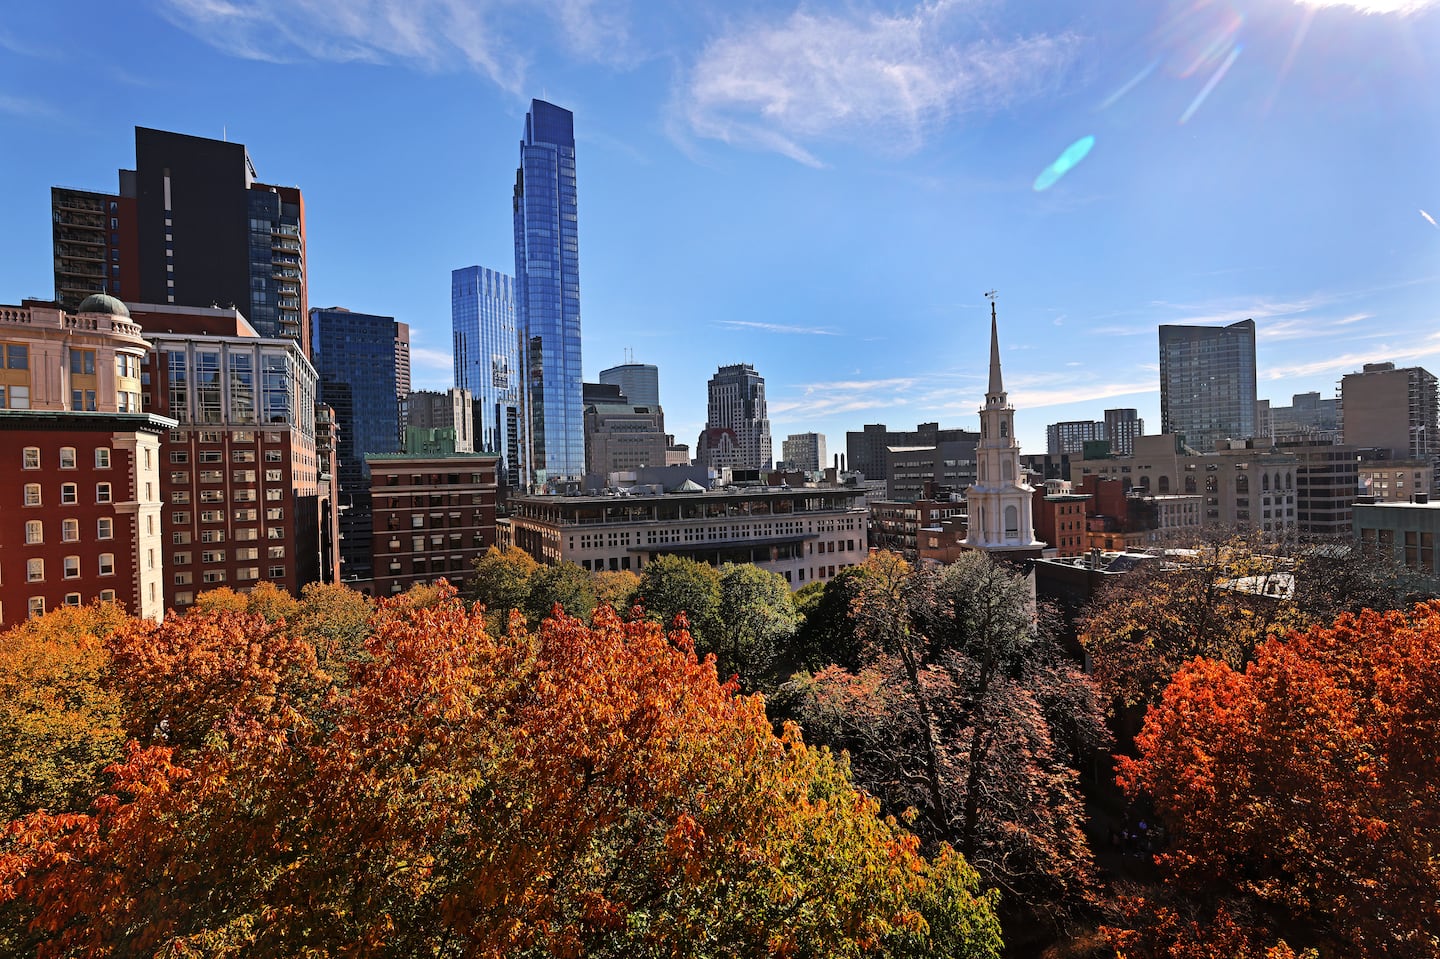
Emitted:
<point x="818" y="400"/>
<point x="479" y="35"/>
<point x="877" y="77"/>
<point x="1402" y="7"/>
<point x="777" y="328"/>
<point x="432" y="359"/>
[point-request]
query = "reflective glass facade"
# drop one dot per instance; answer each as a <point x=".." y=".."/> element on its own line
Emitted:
<point x="1207" y="383"/>
<point x="487" y="363"/>
<point x="354" y="354"/>
<point x="547" y="294"/>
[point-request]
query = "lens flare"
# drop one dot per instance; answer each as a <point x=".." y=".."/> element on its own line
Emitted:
<point x="1066" y="162"/>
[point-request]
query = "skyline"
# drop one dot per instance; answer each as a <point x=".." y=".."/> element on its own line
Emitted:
<point x="820" y="192"/>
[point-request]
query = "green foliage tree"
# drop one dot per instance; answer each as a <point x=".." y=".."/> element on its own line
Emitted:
<point x="756" y="621"/>
<point x="616" y="589"/>
<point x="672" y="585"/>
<point x="565" y="584"/>
<point x="501" y="582"/>
<point x="335" y="620"/>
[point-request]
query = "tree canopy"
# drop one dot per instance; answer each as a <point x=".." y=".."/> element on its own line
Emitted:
<point x="1300" y="794"/>
<point x="575" y="790"/>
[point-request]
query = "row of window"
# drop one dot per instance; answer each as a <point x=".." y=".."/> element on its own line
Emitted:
<point x="36" y="604"/>
<point x="30" y="458"/>
<point x="35" y="567"/>
<point x="69" y="494"/>
<point x="69" y="530"/>
<point x="213" y="576"/>
<point x="218" y="456"/>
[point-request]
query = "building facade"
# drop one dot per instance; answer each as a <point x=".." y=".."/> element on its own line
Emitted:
<point x="805" y="535"/>
<point x="866" y="450"/>
<point x="241" y="477"/>
<point x="1382" y="407"/>
<point x="1122" y="428"/>
<point x="623" y="436"/>
<point x="925" y="472"/>
<point x="640" y="382"/>
<point x="433" y="515"/>
<point x="804" y="451"/>
<point x="487" y="363"/>
<point x="1405" y="533"/>
<point x="1207" y="383"/>
<point x="80" y="496"/>
<point x="1070" y="436"/>
<point x="736" y="402"/>
<point x="454" y="409"/>
<point x="547" y="295"/>
<point x="191" y="225"/>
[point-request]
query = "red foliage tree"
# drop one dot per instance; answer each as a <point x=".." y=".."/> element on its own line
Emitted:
<point x="1303" y="793"/>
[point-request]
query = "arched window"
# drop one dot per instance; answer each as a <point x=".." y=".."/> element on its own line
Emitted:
<point x="1145" y="482"/>
<point x="1164" y="484"/>
<point x="1004" y="429"/>
<point x="1265" y="482"/>
<point x="1289" y="480"/>
<point x="1277" y="482"/>
<point x="1242" y="483"/>
<point x="1190" y="484"/>
<point x="1012" y="522"/>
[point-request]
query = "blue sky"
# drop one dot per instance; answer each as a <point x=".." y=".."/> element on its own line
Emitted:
<point x="824" y="191"/>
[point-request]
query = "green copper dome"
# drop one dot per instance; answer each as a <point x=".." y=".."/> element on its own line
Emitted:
<point x="103" y="303"/>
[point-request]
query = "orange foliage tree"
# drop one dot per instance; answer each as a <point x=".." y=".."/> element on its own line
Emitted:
<point x="1302" y="795"/>
<point x="577" y="790"/>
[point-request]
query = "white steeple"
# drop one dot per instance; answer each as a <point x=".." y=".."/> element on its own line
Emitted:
<point x="999" y="504"/>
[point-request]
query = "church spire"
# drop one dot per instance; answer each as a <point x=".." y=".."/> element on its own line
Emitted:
<point x="996" y="387"/>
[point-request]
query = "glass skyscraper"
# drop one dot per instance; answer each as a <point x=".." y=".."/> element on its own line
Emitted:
<point x="354" y="353"/>
<point x="1207" y="383"/>
<point x="547" y="295"/>
<point x="487" y="363"/>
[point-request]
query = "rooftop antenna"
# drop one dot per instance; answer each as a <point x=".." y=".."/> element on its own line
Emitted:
<point x="224" y="133"/>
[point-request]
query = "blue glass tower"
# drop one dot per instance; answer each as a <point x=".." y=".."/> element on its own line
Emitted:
<point x="354" y="353"/>
<point x="547" y="295"/>
<point x="487" y="363"/>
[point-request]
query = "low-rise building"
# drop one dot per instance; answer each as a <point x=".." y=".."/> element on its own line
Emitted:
<point x="805" y="535"/>
<point x="1404" y="532"/>
<point x="897" y="526"/>
<point x="80" y="490"/>
<point x="433" y="512"/>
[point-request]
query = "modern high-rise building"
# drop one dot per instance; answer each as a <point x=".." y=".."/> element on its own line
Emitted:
<point x="737" y="404"/>
<point x="804" y="451"/>
<point x="1122" y="428"/>
<point x="1207" y="383"/>
<point x="191" y="226"/>
<point x="487" y="363"/>
<point x="1070" y="436"/>
<point x="640" y="382"/>
<point x="355" y="358"/>
<point x="547" y="295"/>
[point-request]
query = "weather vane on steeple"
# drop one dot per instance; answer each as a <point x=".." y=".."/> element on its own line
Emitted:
<point x="990" y="295"/>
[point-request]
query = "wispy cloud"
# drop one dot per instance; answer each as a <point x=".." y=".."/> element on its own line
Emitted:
<point x="432" y="359"/>
<point x="1350" y="362"/>
<point x="883" y="78"/>
<point x="1402" y="7"/>
<point x="1430" y="219"/>
<point x="777" y="328"/>
<point x="479" y="35"/>
<point x="818" y="400"/>
<point x="26" y="106"/>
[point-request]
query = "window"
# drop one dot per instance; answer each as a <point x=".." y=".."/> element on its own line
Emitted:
<point x="182" y="579"/>
<point x="107" y="595"/>
<point x="69" y="493"/>
<point x="34" y="531"/>
<point x="179" y="477"/>
<point x="212" y="476"/>
<point x="72" y="567"/>
<point x="179" y="456"/>
<point x="107" y="564"/>
<point x="274" y="495"/>
<point x="277" y="572"/>
<point x="272" y="476"/>
<point x="212" y="556"/>
<point x="37" y="605"/>
<point x="102" y="458"/>
<point x="272" y="456"/>
<point x="72" y="599"/>
<point x="35" y="570"/>
<point x="213" y="576"/>
<point x="275" y="513"/>
<point x="102" y="492"/>
<point x="212" y="536"/>
<point x="180" y="497"/>
<point x="180" y="518"/>
<point x="70" y="531"/>
<point x="32" y="494"/>
<point x="31" y="459"/>
<point x="180" y="559"/>
<point x="212" y="516"/>
<point x="184" y="598"/>
<point x="211" y="456"/>
<point x="14" y="397"/>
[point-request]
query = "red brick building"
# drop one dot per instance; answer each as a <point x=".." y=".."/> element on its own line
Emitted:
<point x="432" y="515"/>
<point x="1060" y="518"/>
<point x="79" y="462"/>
